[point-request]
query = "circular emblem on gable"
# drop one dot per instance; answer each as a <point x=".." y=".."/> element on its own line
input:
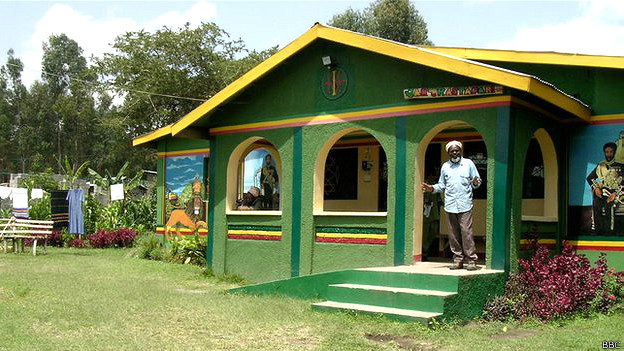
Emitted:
<point x="333" y="83"/>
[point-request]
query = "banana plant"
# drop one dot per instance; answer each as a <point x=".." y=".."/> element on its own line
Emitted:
<point x="72" y="176"/>
<point x="106" y="181"/>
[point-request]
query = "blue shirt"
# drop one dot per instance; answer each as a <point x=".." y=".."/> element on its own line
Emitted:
<point x="456" y="182"/>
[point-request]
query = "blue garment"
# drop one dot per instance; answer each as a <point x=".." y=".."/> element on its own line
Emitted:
<point x="75" y="198"/>
<point x="456" y="182"/>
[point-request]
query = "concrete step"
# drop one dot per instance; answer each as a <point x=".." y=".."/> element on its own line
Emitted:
<point x="386" y="296"/>
<point x="388" y="312"/>
<point x="409" y="280"/>
<point x="396" y="290"/>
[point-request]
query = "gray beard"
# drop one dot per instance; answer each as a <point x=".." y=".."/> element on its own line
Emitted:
<point x="455" y="159"/>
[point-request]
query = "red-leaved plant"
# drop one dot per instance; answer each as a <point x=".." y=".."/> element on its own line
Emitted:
<point x="123" y="237"/>
<point x="550" y="287"/>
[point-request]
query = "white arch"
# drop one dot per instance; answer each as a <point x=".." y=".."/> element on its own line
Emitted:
<point x="551" y="173"/>
<point x="234" y="161"/>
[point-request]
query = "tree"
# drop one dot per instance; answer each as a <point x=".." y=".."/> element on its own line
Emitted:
<point x="70" y="85"/>
<point x="189" y="65"/>
<point x="12" y="95"/>
<point x="396" y="20"/>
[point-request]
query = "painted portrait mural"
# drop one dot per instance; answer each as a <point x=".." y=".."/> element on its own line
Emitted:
<point x="185" y="193"/>
<point x="259" y="185"/>
<point x="597" y="181"/>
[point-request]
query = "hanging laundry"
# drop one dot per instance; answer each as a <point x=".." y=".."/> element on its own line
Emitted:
<point x="19" y="196"/>
<point x="5" y="192"/>
<point x="117" y="192"/>
<point x="36" y="193"/>
<point x="75" y="198"/>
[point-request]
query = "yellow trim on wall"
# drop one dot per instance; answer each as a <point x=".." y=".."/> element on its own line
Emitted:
<point x="549" y="58"/>
<point x="612" y="117"/>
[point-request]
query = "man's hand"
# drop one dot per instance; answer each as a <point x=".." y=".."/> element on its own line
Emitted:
<point x="426" y="187"/>
<point x="598" y="191"/>
<point x="611" y="197"/>
<point x="476" y="181"/>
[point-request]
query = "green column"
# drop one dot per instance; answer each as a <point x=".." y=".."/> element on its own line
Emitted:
<point x="211" y="199"/>
<point x="399" y="193"/>
<point x="503" y="168"/>
<point x="563" y="159"/>
<point x="295" y="248"/>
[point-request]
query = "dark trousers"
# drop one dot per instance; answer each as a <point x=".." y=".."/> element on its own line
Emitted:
<point x="602" y="216"/>
<point x="460" y="236"/>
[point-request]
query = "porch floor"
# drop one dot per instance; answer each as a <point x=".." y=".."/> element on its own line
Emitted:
<point x="438" y="268"/>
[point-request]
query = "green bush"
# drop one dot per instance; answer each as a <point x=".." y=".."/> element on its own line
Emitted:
<point x="149" y="247"/>
<point x="43" y="181"/>
<point x="188" y="249"/>
<point x="141" y="213"/>
<point x="40" y="209"/>
<point x="92" y="210"/>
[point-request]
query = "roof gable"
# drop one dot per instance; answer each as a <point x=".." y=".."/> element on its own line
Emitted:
<point x="408" y="53"/>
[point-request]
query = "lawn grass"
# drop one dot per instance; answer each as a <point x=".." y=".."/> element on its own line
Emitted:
<point x="87" y="299"/>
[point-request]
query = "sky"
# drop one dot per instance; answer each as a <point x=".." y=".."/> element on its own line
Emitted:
<point x="583" y="26"/>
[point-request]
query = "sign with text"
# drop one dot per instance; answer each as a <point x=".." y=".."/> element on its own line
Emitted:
<point x="441" y="92"/>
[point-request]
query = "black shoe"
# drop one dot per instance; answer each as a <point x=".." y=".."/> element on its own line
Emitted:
<point x="472" y="266"/>
<point x="457" y="265"/>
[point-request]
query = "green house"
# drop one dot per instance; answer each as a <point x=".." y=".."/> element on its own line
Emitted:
<point x="312" y="161"/>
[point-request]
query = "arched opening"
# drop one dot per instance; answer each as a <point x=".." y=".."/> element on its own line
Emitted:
<point x="254" y="177"/>
<point x="351" y="174"/>
<point x="431" y="227"/>
<point x="539" y="182"/>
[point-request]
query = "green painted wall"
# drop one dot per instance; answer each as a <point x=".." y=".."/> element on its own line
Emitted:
<point x="526" y="123"/>
<point x="615" y="259"/>
<point x="294" y="88"/>
<point x="256" y="260"/>
<point x="321" y="257"/>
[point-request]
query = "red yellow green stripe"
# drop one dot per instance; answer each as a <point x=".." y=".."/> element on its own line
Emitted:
<point x="352" y="238"/>
<point x="245" y="234"/>
<point x="597" y="245"/>
<point x="608" y="119"/>
<point x="589" y="245"/>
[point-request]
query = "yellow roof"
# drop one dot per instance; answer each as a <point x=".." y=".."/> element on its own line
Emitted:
<point x="419" y="55"/>
<point x="153" y="135"/>
<point x="540" y="57"/>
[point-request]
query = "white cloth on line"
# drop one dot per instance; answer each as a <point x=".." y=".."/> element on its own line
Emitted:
<point x="117" y="192"/>
<point x="36" y="193"/>
<point x="19" y="197"/>
<point x="5" y="192"/>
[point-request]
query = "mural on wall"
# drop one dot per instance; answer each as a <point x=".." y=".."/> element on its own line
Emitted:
<point x="259" y="185"/>
<point x="598" y="209"/>
<point x="185" y="194"/>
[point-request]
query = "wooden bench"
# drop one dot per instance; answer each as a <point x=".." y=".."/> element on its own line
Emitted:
<point x="18" y="230"/>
